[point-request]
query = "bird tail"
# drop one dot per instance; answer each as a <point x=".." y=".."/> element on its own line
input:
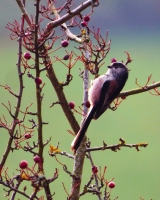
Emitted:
<point x="78" y="138"/>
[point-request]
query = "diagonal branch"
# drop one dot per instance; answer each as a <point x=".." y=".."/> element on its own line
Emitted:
<point x="139" y="90"/>
<point x="68" y="16"/>
<point x="60" y="94"/>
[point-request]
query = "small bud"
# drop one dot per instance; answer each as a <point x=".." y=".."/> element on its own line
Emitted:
<point x="27" y="56"/>
<point x="71" y="105"/>
<point x="64" y="43"/>
<point x="37" y="159"/>
<point x="94" y="169"/>
<point x="23" y="164"/>
<point x="113" y="60"/>
<point x="111" y="185"/>
<point x="66" y="57"/>
<point x="38" y="80"/>
<point x="83" y="23"/>
<point x="86" y="18"/>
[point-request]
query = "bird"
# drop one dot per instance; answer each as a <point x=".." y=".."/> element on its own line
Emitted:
<point x="102" y="92"/>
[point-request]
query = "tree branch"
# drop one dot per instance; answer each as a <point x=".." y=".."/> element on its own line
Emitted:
<point x="118" y="146"/>
<point x="66" y="17"/>
<point x="19" y="99"/>
<point x="139" y="90"/>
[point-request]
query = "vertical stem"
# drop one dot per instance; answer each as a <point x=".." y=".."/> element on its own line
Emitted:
<point x="80" y="153"/>
<point x="38" y="88"/>
<point x="11" y="132"/>
<point x="39" y="102"/>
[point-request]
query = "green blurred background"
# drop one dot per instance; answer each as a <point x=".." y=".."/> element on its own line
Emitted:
<point x="133" y="26"/>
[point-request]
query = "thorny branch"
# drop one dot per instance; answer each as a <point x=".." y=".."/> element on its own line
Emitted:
<point x="118" y="146"/>
<point x="11" y="189"/>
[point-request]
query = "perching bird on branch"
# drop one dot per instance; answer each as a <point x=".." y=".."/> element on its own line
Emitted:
<point x="102" y="92"/>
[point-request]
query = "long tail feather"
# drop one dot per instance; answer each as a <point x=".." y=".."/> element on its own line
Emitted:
<point x="77" y="140"/>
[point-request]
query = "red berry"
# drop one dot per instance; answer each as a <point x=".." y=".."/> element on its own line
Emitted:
<point x="66" y="57"/>
<point x="23" y="164"/>
<point x="64" y="43"/>
<point x="87" y="104"/>
<point x="124" y="97"/>
<point x="38" y="80"/>
<point x="27" y="136"/>
<point x="27" y="56"/>
<point x="113" y="60"/>
<point x="86" y="18"/>
<point x="94" y="169"/>
<point x="71" y="105"/>
<point x="37" y="159"/>
<point x="111" y="184"/>
<point x="83" y="23"/>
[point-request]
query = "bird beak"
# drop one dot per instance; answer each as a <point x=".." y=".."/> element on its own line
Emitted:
<point x="109" y="67"/>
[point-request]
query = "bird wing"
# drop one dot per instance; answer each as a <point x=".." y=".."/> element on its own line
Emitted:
<point x="103" y="103"/>
<point x="109" y="92"/>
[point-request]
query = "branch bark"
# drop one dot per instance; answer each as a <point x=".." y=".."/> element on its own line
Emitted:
<point x="80" y="153"/>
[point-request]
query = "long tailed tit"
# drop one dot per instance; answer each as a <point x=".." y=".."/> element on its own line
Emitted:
<point x="102" y="92"/>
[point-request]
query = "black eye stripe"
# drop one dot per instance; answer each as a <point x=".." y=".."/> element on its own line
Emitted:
<point x="117" y="65"/>
<point x="120" y="65"/>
